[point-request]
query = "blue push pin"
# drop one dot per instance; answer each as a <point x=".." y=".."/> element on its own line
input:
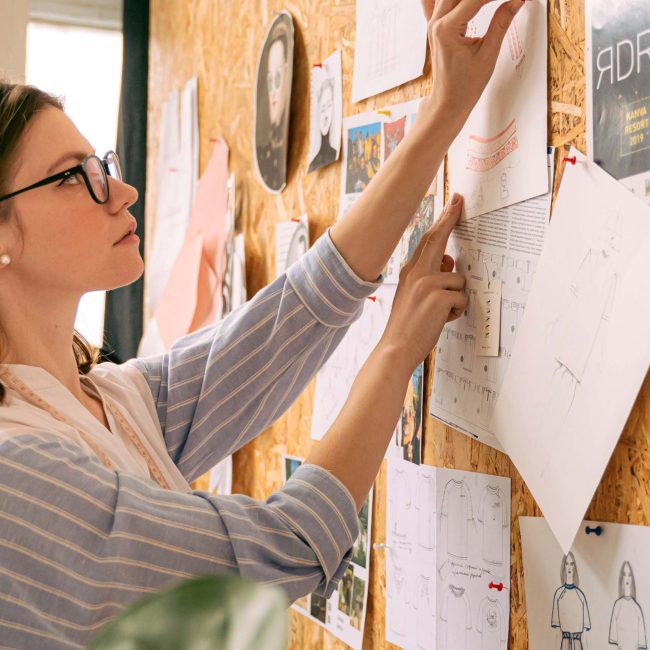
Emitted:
<point x="598" y="530"/>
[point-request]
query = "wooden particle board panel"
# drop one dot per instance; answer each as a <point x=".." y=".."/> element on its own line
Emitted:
<point x="219" y="41"/>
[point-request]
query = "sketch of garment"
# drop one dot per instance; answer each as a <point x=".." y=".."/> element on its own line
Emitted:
<point x="400" y="498"/>
<point x="397" y="595"/>
<point x="425" y="606"/>
<point x="383" y="27"/>
<point x="512" y="314"/>
<point x="425" y="504"/>
<point x="518" y="275"/>
<point x="627" y="626"/>
<point x="493" y="514"/>
<point x="457" y="509"/>
<point x="571" y="615"/>
<point x="457" y="615"/>
<point x="491" y="624"/>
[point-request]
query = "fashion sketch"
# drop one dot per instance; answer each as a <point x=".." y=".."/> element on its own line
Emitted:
<point x="570" y="614"/>
<point x="627" y="625"/>
<point x="272" y="103"/>
<point x="457" y="512"/>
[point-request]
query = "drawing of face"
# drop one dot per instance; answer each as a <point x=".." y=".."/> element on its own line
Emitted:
<point x="569" y="567"/>
<point x="627" y="580"/>
<point x="492" y="619"/>
<point x="277" y="80"/>
<point x="326" y="108"/>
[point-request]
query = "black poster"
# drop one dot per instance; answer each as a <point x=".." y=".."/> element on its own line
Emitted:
<point x="620" y="83"/>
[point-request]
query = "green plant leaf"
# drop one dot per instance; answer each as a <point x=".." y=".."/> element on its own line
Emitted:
<point x="211" y="613"/>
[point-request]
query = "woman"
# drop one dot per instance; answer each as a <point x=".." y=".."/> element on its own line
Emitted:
<point x="627" y="625"/>
<point x="95" y="460"/>
<point x="326" y="152"/>
<point x="570" y="610"/>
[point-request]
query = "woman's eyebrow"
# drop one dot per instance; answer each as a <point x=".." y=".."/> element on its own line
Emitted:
<point x="71" y="155"/>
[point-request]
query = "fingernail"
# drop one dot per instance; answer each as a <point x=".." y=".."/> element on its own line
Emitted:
<point x="455" y="199"/>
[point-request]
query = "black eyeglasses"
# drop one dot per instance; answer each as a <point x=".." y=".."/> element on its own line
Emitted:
<point x="92" y="169"/>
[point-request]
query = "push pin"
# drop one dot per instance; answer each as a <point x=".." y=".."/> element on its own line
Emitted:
<point x="317" y="65"/>
<point x="573" y="160"/>
<point x="384" y="111"/>
<point x="296" y="220"/>
<point x="498" y="586"/>
<point x="598" y="530"/>
<point x="373" y="298"/>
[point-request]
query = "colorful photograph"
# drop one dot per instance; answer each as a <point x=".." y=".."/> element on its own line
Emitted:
<point x="345" y="591"/>
<point x="290" y="466"/>
<point x="410" y="425"/>
<point x="318" y="607"/>
<point x="358" y="597"/>
<point x="394" y="133"/>
<point x="360" y="548"/>
<point x="364" y="151"/>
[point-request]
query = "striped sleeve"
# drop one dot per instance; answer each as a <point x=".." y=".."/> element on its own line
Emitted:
<point x="79" y="542"/>
<point x="217" y="388"/>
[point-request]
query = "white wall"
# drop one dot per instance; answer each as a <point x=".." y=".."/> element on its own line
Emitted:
<point x="13" y="36"/>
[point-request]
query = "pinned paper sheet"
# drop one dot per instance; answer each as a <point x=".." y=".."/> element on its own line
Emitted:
<point x="391" y="45"/>
<point x="583" y="350"/>
<point x="291" y="242"/>
<point x="597" y="595"/>
<point x="192" y="297"/>
<point x="499" y="158"/>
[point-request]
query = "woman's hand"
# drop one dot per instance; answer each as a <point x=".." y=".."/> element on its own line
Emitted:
<point x="461" y="65"/>
<point x="428" y="295"/>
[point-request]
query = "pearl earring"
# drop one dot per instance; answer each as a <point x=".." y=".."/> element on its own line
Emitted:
<point x="4" y="259"/>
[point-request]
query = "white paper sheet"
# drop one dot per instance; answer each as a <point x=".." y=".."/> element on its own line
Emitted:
<point x="391" y="45"/>
<point x="617" y="56"/>
<point x="335" y="378"/>
<point x="447" y="558"/>
<point x="583" y="349"/>
<point x="291" y="242"/>
<point x="499" y="157"/>
<point x="325" y="112"/>
<point x="343" y="614"/>
<point x="501" y="248"/>
<point x="599" y="595"/>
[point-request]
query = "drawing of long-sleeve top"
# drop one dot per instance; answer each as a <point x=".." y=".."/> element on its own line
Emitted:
<point x="491" y="624"/>
<point x="457" y="614"/>
<point x="457" y="509"/>
<point x="627" y="627"/>
<point x="425" y="504"/>
<point x="399" y="498"/>
<point x="571" y="615"/>
<point x="493" y="514"/>
<point x="590" y="301"/>
<point x="397" y="600"/>
<point x="425" y="606"/>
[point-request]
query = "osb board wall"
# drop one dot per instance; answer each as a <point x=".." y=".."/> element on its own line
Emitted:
<point x="219" y="41"/>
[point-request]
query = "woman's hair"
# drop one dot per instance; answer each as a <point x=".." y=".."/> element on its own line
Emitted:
<point x="576" y="580"/>
<point x="621" y="589"/>
<point x="18" y="105"/>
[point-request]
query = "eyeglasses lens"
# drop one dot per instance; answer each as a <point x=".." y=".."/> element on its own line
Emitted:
<point x="97" y="177"/>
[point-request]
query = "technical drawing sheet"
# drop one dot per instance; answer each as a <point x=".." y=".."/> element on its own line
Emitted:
<point x="447" y="558"/>
<point x="501" y="248"/>
<point x="583" y="349"/>
<point x="336" y="376"/>
<point x="596" y="596"/>
<point x="499" y="157"/>
<point x="344" y="612"/>
<point x="391" y="45"/>
<point x="291" y="243"/>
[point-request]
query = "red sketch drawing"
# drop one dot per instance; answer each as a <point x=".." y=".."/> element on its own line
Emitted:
<point x="484" y="154"/>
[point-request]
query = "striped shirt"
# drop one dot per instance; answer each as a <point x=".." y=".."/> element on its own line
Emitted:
<point x="79" y="542"/>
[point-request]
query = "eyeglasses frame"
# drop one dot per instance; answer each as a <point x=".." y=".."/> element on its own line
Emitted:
<point x="77" y="169"/>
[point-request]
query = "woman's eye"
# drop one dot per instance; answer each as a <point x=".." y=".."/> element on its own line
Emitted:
<point x="73" y="179"/>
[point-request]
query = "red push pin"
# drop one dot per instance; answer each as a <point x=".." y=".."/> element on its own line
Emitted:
<point x="296" y="220"/>
<point x="212" y="140"/>
<point x="318" y="65"/>
<point x="573" y="160"/>
<point x="497" y="586"/>
<point x="373" y="298"/>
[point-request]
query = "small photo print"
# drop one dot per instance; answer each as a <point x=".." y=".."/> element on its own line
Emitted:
<point x="394" y="133"/>
<point x="364" y="151"/>
<point x="318" y="608"/>
<point x="326" y="113"/>
<point x="358" y="597"/>
<point x="345" y="591"/>
<point x="360" y="548"/>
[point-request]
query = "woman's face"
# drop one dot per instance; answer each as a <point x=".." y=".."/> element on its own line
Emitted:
<point x="627" y="580"/>
<point x="326" y="110"/>
<point x="59" y="238"/>
<point x="277" y="81"/>
<point x="569" y="566"/>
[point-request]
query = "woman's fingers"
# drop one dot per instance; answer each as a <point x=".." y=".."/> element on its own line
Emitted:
<point x="427" y="8"/>
<point x="449" y="281"/>
<point x="499" y="26"/>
